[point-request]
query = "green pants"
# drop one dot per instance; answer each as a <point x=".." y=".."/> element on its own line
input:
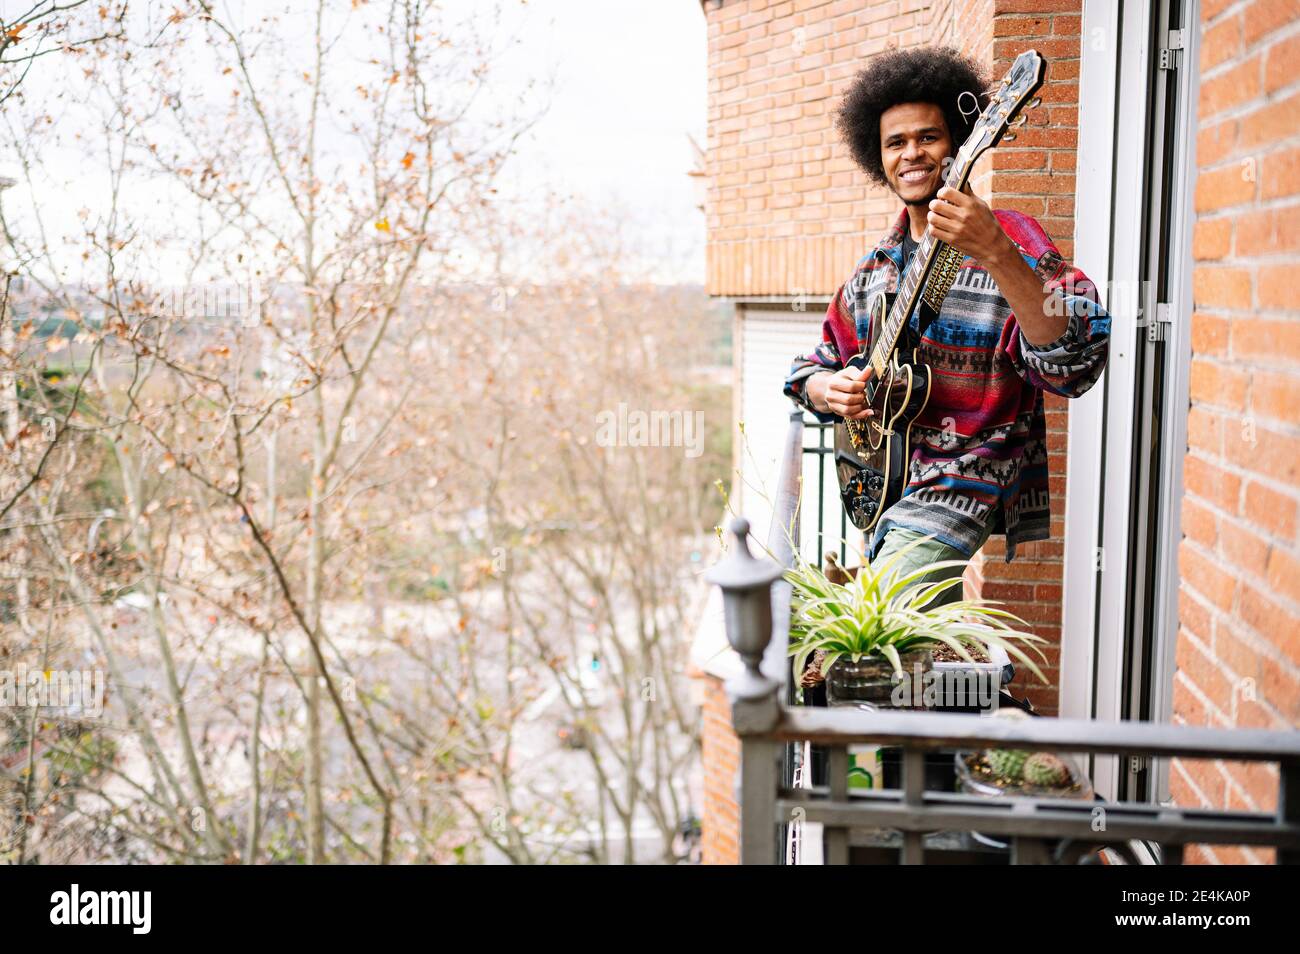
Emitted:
<point x="932" y="551"/>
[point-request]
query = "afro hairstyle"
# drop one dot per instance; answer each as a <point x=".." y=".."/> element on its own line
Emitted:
<point x="924" y="74"/>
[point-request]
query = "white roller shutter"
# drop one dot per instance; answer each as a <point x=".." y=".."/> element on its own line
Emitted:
<point x="769" y="341"/>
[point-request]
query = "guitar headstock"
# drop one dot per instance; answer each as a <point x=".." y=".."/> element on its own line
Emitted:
<point x="1005" y="110"/>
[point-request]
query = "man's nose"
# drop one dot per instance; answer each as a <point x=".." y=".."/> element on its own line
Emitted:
<point x="912" y="149"/>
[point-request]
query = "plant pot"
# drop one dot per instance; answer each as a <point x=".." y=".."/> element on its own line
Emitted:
<point x="974" y="781"/>
<point x="871" y="680"/>
<point x="973" y="687"/>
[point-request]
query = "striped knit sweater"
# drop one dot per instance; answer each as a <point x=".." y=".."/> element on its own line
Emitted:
<point x="980" y="445"/>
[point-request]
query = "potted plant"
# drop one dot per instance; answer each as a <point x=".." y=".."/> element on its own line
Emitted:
<point x="1007" y="771"/>
<point x="996" y="772"/>
<point x="875" y="633"/>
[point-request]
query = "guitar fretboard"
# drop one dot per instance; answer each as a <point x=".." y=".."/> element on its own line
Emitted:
<point x="914" y="280"/>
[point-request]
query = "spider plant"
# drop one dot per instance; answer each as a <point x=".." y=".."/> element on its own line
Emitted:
<point x="882" y="614"/>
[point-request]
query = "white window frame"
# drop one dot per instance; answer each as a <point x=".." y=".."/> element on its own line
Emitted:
<point x="1108" y="247"/>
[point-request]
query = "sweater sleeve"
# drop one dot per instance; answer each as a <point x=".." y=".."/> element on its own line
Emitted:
<point x="1071" y="364"/>
<point x="839" y="337"/>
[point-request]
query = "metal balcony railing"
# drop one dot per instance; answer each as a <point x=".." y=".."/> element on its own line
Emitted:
<point x="909" y="823"/>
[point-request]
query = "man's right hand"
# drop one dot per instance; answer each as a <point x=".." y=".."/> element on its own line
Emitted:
<point x="842" y="392"/>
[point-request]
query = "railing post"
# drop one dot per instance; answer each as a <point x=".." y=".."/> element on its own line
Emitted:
<point x="1288" y="806"/>
<point x="755" y="708"/>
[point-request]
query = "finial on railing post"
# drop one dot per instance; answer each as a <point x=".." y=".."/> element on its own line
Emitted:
<point x="747" y="602"/>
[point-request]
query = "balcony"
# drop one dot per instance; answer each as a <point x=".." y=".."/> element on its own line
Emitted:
<point x="915" y="824"/>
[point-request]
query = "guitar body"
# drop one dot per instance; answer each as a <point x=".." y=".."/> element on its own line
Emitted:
<point x="872" y="455"/>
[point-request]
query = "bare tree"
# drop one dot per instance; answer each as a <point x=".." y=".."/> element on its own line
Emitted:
<point x="335" y="511"/>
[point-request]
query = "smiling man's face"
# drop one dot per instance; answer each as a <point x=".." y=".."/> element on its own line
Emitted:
<point x="914" y="143"/>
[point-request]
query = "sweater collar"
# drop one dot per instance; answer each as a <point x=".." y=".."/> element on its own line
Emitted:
<point x="892" y="243"/>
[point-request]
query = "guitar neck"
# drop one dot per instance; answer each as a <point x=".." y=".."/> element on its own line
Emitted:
<point x="913" y="283"/>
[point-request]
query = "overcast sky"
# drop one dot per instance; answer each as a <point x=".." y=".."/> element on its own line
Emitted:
<point x="632" y="84"/>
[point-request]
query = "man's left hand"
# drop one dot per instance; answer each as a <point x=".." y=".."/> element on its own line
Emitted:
<point x="968" y="224"/>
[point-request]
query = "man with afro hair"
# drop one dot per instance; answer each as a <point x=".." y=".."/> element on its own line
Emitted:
<point x="1018" y="321"/>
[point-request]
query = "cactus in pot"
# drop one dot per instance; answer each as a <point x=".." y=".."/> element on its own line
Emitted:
<point x="1008" y="764"/>
<point x="1046" y="770"/>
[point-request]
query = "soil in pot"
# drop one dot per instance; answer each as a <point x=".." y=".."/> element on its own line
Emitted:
<point x="947" y="654"/>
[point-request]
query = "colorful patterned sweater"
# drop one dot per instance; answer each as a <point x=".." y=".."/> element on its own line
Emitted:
<point x="980" y="448"/>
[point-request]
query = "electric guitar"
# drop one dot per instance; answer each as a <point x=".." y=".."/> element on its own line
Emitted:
<point x="872" y="455"/>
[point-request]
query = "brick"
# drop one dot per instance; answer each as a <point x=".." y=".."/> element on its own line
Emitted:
<point x="1064" y="161"/>
<point x="1256" y="233"/>
<point x="1259" y="779"/>
<point x="1278" y="174"/>
<point x="1275" y="395"/>
<point x="1264" y="339"/>
<point x="1211" y="238"/>
<point x="1020" y="569"/>
<point x="1222" y="188"/>
<point x="1217" y="384"/>
<point x="1283" y="573"/>
<point x="1205" y="429"/>
<point x="1019" y="159"/>
<point x="1221" y="42"/>
<point x="1236" y="85"/>
<point x="1009" y="48"/>
<point x="1270" y="510"/>
<point x="1275" y="286"/>
<point x="1186" y="703"/>
<point x="1282" y="64"/>
<point x="1048" y="593"/>
<point x="1216" y="286"/>
<point x="1212" y="582"/>
<point x="1046" y="137"/>
<point x="1200" y="524"/>
<point x="1037" y="6"/>
<point x="1209" y="334"/>
<point x="1280" y="686"/>
<point x="1271" y="123"/>
<point x="1201" y="669"/>
<point x="1008" y="591"/>
<point x="1262" y="450"/>
<point x="1243" y="549"/>
<point x="1215" y="143"/>
<point x="1265" y="16"/>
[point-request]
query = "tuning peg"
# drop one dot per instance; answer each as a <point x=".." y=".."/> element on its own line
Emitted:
<point x="1035" y="102"/>
<point x="1009" y="137"/>
<point x="1018" y="121"/>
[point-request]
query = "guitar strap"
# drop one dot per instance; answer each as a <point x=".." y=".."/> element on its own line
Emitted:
<point x="938" y="283"/>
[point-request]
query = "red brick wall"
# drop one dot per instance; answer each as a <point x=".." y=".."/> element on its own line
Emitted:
<point x="787" y="210"/>
<point x="1238" y="654"/>
<point x="721" y="758"/>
